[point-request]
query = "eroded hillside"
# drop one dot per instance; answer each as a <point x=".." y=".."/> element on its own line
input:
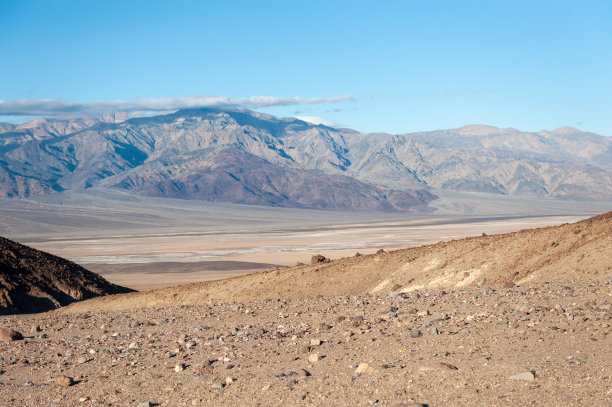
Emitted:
<point x="568" y="252"/>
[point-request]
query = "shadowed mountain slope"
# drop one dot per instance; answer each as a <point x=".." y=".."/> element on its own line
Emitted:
<point x="35" y="281"/>
<point x="239" y="177"/>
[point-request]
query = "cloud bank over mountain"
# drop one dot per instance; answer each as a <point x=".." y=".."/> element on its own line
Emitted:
<point x="60" y="107"/>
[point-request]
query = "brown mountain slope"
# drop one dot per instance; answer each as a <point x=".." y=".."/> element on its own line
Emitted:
<point x="35" y="281"/>
<point x="570" y="252"/>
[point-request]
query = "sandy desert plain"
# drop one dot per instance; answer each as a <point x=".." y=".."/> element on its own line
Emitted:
<point x="148" y="243"/>
<point x="414" y="327"/>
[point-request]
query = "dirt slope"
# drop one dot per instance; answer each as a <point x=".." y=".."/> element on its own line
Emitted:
<point x="570" y="252"/>
<point x="35" y="281"/>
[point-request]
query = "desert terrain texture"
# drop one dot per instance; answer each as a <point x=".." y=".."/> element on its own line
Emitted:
<point x="511" y="319"/>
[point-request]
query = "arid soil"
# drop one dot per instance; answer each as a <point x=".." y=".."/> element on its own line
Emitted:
<point x="130" y="259"/>
<point x="543" y="345"/>
<point x="566" y="253"/>
<point x="148" y="276"/>
<point x="515" y="319"/>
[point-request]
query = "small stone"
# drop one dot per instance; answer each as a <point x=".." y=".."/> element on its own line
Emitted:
<point x="82" y="360"/>
<point x="64" y="381"/>
<point x="229" y="380"/>
<point x="9" y="335"/>
<point x="527" y="376"/>
<point x="83" y="399"/>
<point x="36" y="329"/>
<point x="304" y="372"/>
<point x="313" y="358"/>
<point x="217" y="385"/>
<point x="365" y="368"/>
<point x="438" y="366"/>
<point x="434" y="331"/>
<point x="315" y="342"/>
<point x="145" y="404"/>
<point x="415" y="333"/>
<point x="487" y="290"/>
<point x="380" y="251"/>
<point x="577" y="361"/>
<point x="179" y="367"/>
<point x="317" y="258"/>
<point x="205" y="370"/>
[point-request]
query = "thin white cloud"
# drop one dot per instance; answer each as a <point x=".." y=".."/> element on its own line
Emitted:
<point x="320" y="120"/>
<point x="60" y="107"/>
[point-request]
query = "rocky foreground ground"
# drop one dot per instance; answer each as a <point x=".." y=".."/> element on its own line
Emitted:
<point x="548" y="344"/>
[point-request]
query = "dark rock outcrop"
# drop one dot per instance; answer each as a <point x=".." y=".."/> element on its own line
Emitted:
<point x="35" y="281"/>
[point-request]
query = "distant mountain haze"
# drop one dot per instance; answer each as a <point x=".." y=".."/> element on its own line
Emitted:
<point x="242" y="156"/>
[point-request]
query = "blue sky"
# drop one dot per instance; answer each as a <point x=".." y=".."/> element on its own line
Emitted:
<point x="407" y="65"/>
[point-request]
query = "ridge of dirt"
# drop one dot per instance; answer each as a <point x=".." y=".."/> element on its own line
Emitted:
<point x="34" y="281"/>
<point x="565" y="253"/>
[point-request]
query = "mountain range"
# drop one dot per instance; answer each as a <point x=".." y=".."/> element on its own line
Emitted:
<point x="242" y="156"/>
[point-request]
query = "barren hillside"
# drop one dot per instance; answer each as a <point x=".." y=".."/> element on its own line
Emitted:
<point x="35" y="281"/>
<point x="570" y="252"/>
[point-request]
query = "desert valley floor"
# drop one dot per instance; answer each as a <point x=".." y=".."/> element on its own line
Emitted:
<point x="521" y="318"/>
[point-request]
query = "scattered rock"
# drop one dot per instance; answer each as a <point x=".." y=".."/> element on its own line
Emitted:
<point x="317" y="258"/>
<point x="313" y="358"/>
<point x="415" y="333"/>
<point x="438" y="366"/>
<point x="365" y="368"/>
<point x="10" y="335"/>
<point x="64" y="381"/>
<point x="487" y="290"/>
<point x="527" y="376"/>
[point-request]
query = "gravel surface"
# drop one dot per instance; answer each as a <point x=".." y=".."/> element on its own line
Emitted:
<point x="547" y="344"/>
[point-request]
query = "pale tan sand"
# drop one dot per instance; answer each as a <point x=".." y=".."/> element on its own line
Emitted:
<point x="277" y="246"/>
